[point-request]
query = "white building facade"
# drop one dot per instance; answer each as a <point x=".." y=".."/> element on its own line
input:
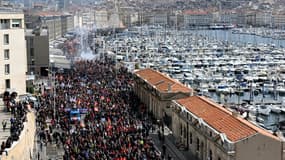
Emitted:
<point x="13" y="59"/>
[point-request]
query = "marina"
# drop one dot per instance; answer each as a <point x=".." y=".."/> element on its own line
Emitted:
<point x="247" y="77"/>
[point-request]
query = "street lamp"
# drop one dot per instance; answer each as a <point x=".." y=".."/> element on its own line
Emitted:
<point x="52" y="81"/>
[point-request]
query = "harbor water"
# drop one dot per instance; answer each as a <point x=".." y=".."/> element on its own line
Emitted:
<point x="228" y="36"/>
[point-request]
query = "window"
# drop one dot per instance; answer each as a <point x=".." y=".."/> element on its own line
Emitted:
<point x="7" y="83"/>
<point x="198" y="144"/>
<point x="210" y="155"/>
<point x="7" y="68"/>
<point x="4" y="23"/>
<point x="190" y="138"/>
<point x="32" y="54"/>
<point x="16" y="23"/>
<point x="31" y="43"/>
<point x="6" y="54"/>
<point x="6" y="39"/>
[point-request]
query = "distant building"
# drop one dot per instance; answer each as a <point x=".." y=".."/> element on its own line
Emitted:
<point x="279" y="20"/>
<point x="13" y="61"/>
<point x="88" y="18"/>
<point x="197" y="18"/>
<point x="101" y="19"/>
<point x="28" y="4"/>
<point x="37" y="51"/>
<point x="77" y="20"/>
<point x="62" y="4"/>
<point x="159" y="18"/>
<point x="57" y="24"/>
<point x="264" y="19"/>
<point x="227" y="17"/>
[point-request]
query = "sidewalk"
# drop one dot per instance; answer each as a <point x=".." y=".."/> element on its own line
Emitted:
<point x="171" y="149"/>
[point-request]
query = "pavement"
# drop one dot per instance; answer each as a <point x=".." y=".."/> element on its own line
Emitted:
<point x="171" y="149"/>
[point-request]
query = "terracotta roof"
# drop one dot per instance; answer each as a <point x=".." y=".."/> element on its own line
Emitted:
<point x="161" y="81"/>
<point x="218" y="117"/>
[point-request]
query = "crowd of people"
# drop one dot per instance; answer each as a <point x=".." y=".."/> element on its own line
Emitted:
<point x="18" y="117"/>
<point x="113" y="126"/>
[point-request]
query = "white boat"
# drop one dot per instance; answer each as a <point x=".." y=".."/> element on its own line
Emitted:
<point x="264" y="110"/>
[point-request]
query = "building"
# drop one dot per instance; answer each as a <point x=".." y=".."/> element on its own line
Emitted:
<point x="67" y="23"/>
<point x="197" y="18"/>
<point x="28" y="4"/>
<point x="57" y="24"/>
<point x="278" y="20"/>
<point x="263" y="19"/>
<point x="157" y="91"/>
<point x="202" y="127"/>
<point x="62" y="4"/>
<point x="37" y="51"/>
<point x="88" y="18"/>
<point x="13" y="61"/>
<point x="159" y="18"/>
<point x="227" y="17"/>
<point x="101" y="19"/>
<point x="211" y="132"/>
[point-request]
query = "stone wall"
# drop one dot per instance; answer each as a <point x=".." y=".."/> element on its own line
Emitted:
<point x="23" y="149"/>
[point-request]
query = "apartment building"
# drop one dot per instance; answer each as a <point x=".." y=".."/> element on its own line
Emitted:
<point x="264" y="19"/>
<point x="13" y="62"/>
<point x="197" y="18"/>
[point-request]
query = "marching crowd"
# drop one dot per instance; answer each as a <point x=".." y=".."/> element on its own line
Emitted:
<point x="114" y="126"/>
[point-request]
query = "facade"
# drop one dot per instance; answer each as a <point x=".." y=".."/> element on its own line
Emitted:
<point x="37" y="51"/>
<point x="210" y="132"/>
<point x="157" y="91"/>
<point x="228" y="17"/>
<point x="279" y="20"/>
<point x="67" y="23"/>
<point x="77" y="20"/>
<point x="159" y="18"/>
<point x="57" y="24"/>
<point x="88" y="18"/>
<point x="28" y="4"/>
<point x="13" y="61"/>
<point x="101" y="19"/>
<point x="62" y="4"/>
<point x="197" y="18"/>
<point x="264" y="19"/>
